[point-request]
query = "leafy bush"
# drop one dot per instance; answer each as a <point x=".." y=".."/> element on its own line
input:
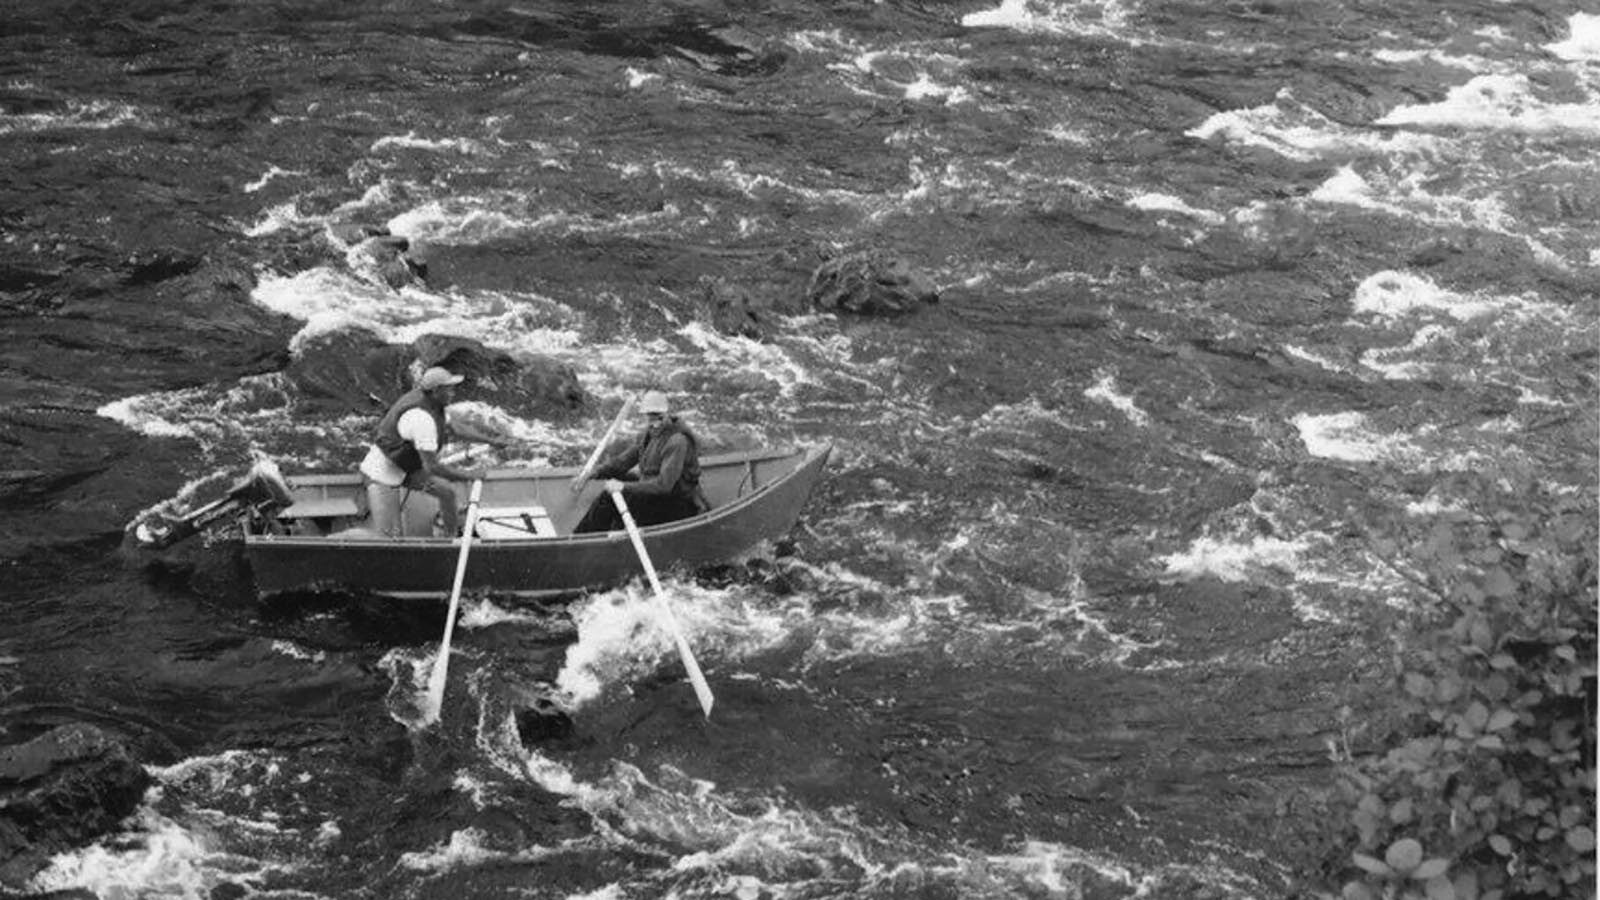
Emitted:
<point x="1485" y="787"/>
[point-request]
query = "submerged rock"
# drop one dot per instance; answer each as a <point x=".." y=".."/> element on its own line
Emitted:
<point x="61" y="790"/>
<point x="542" y="720"/>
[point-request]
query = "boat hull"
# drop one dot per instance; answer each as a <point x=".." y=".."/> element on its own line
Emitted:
<point x="422" y="567"/>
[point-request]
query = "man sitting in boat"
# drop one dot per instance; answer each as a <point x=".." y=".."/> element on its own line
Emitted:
<point x="667" y="484"/>
<point x="404" y="456"/>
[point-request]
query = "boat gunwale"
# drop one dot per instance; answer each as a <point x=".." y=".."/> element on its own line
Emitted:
<point x="807" y="455"/>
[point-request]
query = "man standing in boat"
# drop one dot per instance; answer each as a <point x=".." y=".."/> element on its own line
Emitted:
<point x="667" y="484"/>
<point x="404" y="456"/>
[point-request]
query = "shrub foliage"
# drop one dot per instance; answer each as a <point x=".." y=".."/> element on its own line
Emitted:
<point x="1484" y="786"/>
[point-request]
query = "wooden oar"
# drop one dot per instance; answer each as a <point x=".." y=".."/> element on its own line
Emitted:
<point x="441" y="665"/>
<point x="701" y="689"/>
<point x="605" y="441"/>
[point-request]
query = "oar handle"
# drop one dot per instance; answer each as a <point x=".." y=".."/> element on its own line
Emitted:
<point x="605" y="441"/>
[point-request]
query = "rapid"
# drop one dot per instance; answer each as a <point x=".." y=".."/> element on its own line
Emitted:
<point x="1088" y="589"/>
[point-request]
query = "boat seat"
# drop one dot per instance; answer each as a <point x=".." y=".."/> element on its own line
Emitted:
<point x="512" y="522"/>
<point x="324" y="508"/>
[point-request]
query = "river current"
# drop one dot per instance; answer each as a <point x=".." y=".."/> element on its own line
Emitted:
<point x="1089" y="587"/>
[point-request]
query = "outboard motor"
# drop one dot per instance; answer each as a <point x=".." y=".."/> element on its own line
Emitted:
<point x="260" y="491"/>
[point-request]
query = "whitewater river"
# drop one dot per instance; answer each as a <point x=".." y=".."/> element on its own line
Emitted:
<point x="1075" y="614"/>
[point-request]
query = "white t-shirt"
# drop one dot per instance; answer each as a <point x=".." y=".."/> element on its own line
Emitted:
<point x="416" y="426"/>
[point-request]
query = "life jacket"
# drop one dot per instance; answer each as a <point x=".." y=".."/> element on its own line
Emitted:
<point x="400" y="451"/>
<point x="654" y="446"/>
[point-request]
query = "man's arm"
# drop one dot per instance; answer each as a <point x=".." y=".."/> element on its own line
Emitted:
<point x="433" y="465"/>
<point x="662" y="483"/>
<point x="618" y="465"/>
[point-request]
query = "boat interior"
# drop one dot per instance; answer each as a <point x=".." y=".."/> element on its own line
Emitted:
<point x="516" y="504"/>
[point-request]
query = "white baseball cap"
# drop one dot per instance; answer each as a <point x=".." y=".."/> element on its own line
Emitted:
<point x="438" y="376"/>
<point x="653" y="402"/>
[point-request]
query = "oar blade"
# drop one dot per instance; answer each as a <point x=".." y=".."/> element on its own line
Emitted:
<point x="702" y="690"/>
<point x="433" y="702"/>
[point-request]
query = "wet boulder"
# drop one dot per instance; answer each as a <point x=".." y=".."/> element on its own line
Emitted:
<point x="350" y="369"/>
<point x="524" y="383"/>
<point x="390" y="258"/>
<point x="542" y="720"/>
<point x="870" y="283"/>
<point x="355" y="370"/>
<point x="63" y="789"/>
<point x="732" y="310"/>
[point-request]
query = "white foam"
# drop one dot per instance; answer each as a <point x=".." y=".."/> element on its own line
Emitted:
<point x="295" y="651"/>
<point x="1583" y="45"/>
<point x="166" y="860"/>
<point x="1313" y="357"/>
<point x="1294" y="130"/>
<point x="1405" y="193"/>
<point x="766" y="360"/>
<point x="143" y="413"/>
<point x="1501" y="103"/>
<point x="1105" y="390"/>
<point x="384" y="192"/>
<point x="1233" y="560"/>
<point x="1025" y="417"/>
<point x="1066" y="17"/>
<point x="409" y="669"/>
<point x="91" y="115"/>
<point x="328" y="300"/>
<point x="1347" y="436"/>
<point x="638" y="79"/>
<point x="411" y="141"/>
<point x="277" y="218"/>
<point x="620" y="637"/>
<point x="1042" y="864"/>
<point x="327" y="833"/>
<point x="1392" y="294"/>
<point x="481" y="612"/>
<point x="1432" y="506"/>
<point x="1378" y="358"/>
<point x="925" y="88"/>
<point x="608" y="892"/>
<point x="465" y="849"/>
<point x="1470" y="63"/>
<point x="1168" y="203"/>
<point x="272" y="172"/>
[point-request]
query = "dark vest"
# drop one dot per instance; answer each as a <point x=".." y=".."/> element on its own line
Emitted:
<point x="387" y="435"/>
<point x="653" y="448"/>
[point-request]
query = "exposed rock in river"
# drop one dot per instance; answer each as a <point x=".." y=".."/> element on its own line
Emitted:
<point x="870" y="283"/>
<point x="354" y="369"/>
<point x="61" y="790"/>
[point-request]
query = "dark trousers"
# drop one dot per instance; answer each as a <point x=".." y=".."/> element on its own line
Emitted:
<point x="646" y="510"/>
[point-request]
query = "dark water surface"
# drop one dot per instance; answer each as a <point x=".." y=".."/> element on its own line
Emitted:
<point x="1079" y="606"/>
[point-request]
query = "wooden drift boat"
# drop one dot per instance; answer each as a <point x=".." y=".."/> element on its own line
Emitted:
<point x="523" y="544"/>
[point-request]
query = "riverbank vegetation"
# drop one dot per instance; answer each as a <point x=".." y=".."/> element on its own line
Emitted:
<point x="1479" y="783"/>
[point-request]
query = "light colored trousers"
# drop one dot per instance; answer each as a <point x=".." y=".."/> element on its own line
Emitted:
<point x="386" y="505"/>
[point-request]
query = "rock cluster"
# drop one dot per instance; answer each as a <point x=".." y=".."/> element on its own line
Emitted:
<point x="63" y="789"/>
